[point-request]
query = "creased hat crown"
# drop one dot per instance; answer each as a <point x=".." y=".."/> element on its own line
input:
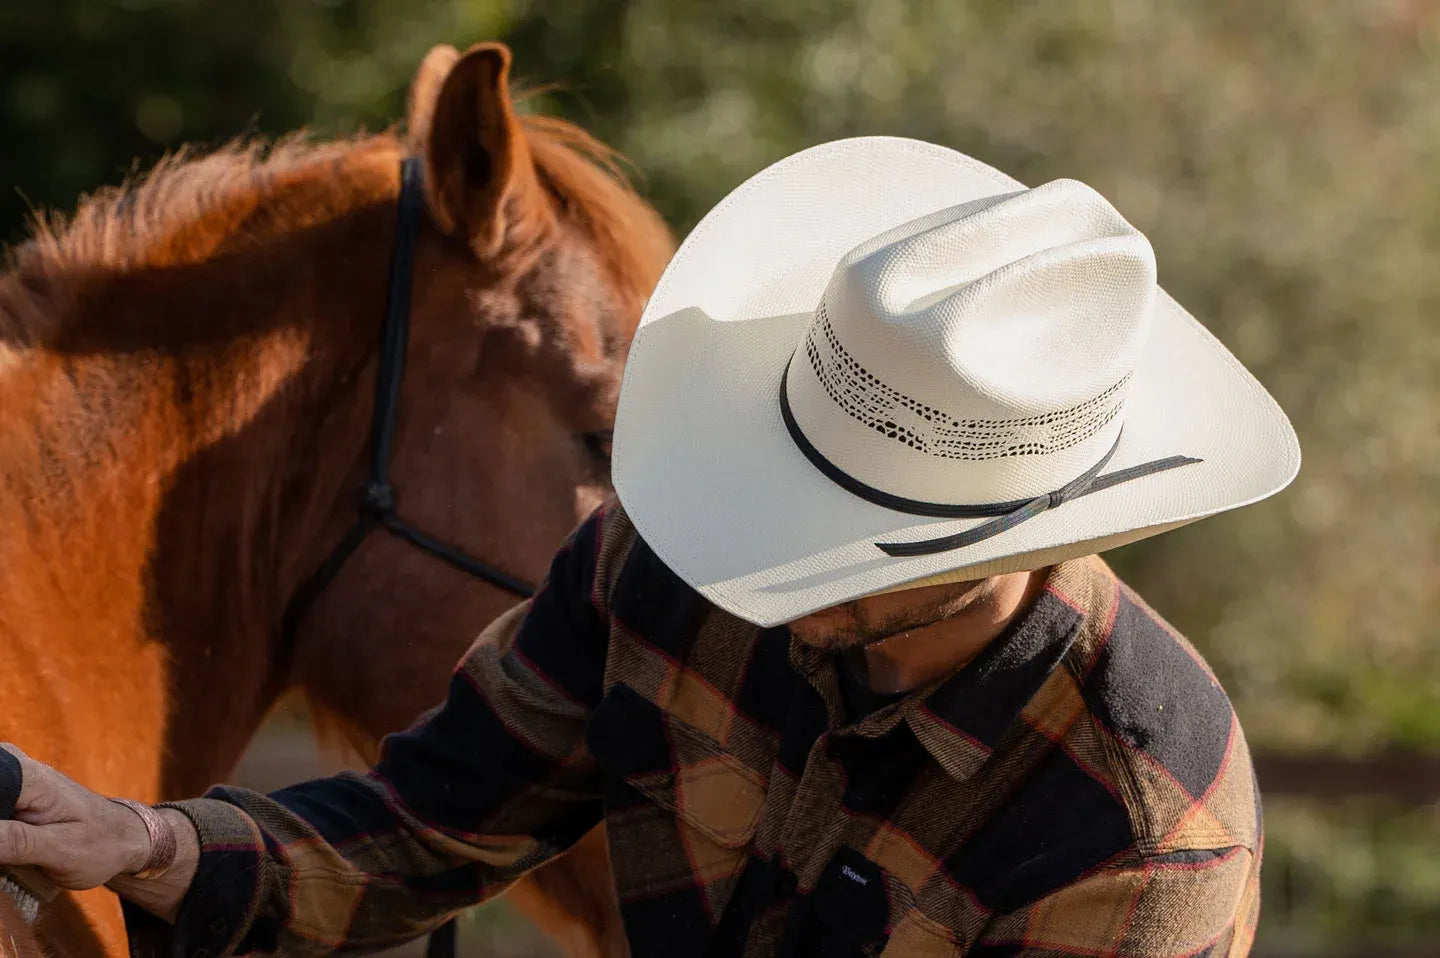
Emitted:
<point x="980" y="353"/>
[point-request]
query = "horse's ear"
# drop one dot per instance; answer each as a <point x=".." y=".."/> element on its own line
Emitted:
<point x="425" y="90"/>
<point x="482" y="182"/>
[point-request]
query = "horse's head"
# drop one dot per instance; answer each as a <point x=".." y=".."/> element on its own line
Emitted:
<point x="532" y="268"/>
<point x="191" y="359"/>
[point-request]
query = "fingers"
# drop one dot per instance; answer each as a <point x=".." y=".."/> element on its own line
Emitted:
<point x="36" y="793"/>
<point x="24" y="782"/>
<point x="21" y="844"/>
<point x="78" y="838"/>
<point x="12" y="778"/>
<point x="64" y="857"/>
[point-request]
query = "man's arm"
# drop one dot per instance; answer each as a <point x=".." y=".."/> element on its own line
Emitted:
<point x="485" y="787"/>
<point x="1162" y="906"/>
<point x="161" y="896"/>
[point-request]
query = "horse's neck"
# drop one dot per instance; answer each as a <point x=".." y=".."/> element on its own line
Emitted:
<point x="157" y="498"/>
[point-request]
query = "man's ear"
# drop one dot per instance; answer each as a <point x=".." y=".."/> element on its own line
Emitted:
<point x="482" y="185"/>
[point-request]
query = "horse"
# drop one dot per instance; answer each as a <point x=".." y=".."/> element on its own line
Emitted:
<point x="187" y="373"/>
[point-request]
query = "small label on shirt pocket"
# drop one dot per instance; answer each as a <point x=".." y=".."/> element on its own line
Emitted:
<point x="676" y="766"/>
<point x="853" y="901"/>
<point x="851" y="898"/>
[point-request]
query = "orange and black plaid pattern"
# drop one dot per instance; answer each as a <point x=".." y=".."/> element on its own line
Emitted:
<point x="1080" y="788"/>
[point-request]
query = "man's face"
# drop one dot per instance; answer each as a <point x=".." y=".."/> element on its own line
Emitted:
<point x="873" y="618"/>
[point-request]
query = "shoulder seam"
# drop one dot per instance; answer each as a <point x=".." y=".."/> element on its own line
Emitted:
<point x="1125" y="783"/>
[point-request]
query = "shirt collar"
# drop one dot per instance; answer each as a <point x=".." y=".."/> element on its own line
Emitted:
<point x="961" y="718"/>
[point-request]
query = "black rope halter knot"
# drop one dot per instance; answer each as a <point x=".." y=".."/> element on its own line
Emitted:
<point x="377" y="500"/>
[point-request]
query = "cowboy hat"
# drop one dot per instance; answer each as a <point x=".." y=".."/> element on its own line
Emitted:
<point x="880" y="363"/>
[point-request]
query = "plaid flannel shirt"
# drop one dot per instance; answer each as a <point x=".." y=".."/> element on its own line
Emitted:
<point x="1081" y="787"/>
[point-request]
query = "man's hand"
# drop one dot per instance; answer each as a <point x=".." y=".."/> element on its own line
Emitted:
<point x="78" y="838"/>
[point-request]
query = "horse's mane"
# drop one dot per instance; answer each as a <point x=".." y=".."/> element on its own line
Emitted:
<point x="192" y="200"/>
<point x="194" y="203"/>
<point x="589" y="179"/>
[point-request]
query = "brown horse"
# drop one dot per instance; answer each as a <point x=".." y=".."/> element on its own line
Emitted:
<point x="186" y="376"/>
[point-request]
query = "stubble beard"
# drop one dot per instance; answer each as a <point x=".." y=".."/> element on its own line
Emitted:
<point x="859" y="623"/>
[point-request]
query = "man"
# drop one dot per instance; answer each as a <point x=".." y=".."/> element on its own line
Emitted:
<point x="839" y="669"/>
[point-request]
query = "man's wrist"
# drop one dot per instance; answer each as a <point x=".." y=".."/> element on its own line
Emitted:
<point x="159" y="845"/>
<point x="162" y="895"/>
<point x="135" y="837"/>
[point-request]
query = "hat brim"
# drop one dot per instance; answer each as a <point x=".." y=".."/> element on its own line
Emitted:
<point x="708" y="473"/>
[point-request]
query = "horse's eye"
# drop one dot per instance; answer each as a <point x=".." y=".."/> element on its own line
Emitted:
<point x="597" y="444"/>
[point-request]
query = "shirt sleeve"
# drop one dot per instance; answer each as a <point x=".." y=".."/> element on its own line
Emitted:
<point x="1185" y="903"/>
<point x="482" y="789"/>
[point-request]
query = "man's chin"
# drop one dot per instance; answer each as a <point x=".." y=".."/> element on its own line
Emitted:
<point x="828" y="640"/>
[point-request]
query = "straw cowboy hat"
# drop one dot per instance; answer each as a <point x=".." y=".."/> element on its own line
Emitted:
<point x="881" y="363"/>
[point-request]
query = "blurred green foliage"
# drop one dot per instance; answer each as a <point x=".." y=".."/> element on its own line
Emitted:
<point x="1357" y="878"/>
<point x="1279" y="153"/>
<point x="91" y="88"/>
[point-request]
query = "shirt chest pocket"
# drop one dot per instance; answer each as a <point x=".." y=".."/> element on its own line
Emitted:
<point x="679" y="809"/>
<point x="854" y="913"/>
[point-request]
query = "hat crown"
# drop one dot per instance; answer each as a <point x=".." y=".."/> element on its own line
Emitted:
<point x="981" y="352"/>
